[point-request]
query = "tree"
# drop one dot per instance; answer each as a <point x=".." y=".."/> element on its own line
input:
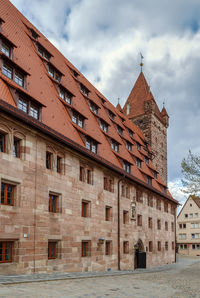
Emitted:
<point x="191" y="172"/>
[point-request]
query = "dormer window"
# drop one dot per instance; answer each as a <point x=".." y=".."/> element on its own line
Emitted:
<point x="114" y="145"/>
<point x="29" y="108"/>
<point x="84" y="90"/>
<point x="33" y="33"/>
<point x="138" y="163"/>
<point x="130" y="133"/>
<point x="7" y="71"/>
<point x="155" y="174"/>
<point x="54" y="73"/>
<point x="129" y="146"/>
<point x="91" y="145"/>
<point x="34" y="111"/>
<point x="43" y="52"/>
<point x="22" y="105"/>
<point x="65" y="95"/>
<point x="103" y="125"/>
<point x="149" y="180"/>
<point x="102" y="100"/>
<point x="165" y="190"/>
<point x="120" y="130"/>
<point x="78" y="119"/>
<point x="126" y="166"/>
<point x="93" y="107"/>
<point x="146" y="159"/>
<point x="75" y="74"/>
<point x="6" y="49"/>
<point x="138" y="146"/>
<point x="111" y="114"/>
<point x="19" y="79"/>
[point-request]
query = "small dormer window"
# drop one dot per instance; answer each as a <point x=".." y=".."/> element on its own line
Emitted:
<point x="165" y="190"/>
<point x="6" y="49"/>
<point x="34" y="111"/>
<point x="149" y="180"/>
<point x="102" y="100"/>
<point x="130" y="133"/>
<point x="126" y="166"/>
<point x="65" y="95"/>
<point x="7" y="71"/>
<point x="138" y="163"/>
<point x="22" y="105"/>
<point x="146" y="159"/>
<point x="120" y="130"/>
<point x="33" y="33"/>
<point x="91" y="145"/>
<point x="114" y="145"/>
<point x="103" y="125"/>
<point x="43" y="52"/>
<point x="129" y="146"/>
<point x="138" y="146"/>
<point x="84" y="90"/>
<point x="54" y="74"/>
<point x="29" y="108"/>
<point x="93" y="107"/>
<point x="75" y="74"/>
<point x="19" y="79"/>
<point x="78" y="119"/>
<point x="111" y="114"/>
<point x="155" y="174"/>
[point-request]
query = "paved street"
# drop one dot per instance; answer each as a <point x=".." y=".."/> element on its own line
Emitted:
<point x="179" y="280"/>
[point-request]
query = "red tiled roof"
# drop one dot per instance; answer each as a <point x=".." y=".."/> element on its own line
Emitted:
<point x="55" y="114"/>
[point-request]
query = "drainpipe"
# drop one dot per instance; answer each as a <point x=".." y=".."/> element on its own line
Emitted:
<point x="35" y="204"/>
<point x="118" y="213"/>
<point x="175" y="233"/>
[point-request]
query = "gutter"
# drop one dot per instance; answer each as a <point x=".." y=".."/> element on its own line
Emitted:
<point x="118" y="221"/>
<point x="11" y="110"/>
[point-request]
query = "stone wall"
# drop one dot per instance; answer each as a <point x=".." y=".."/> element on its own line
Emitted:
<point x="30" y="225"/>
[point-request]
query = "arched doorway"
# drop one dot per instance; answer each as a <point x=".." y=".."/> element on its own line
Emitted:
<point x="140" y="255"/>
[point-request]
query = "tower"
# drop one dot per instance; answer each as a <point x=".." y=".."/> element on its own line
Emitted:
<point x="142" y="109"/>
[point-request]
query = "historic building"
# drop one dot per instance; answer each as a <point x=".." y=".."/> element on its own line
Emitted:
<point x="79" y="189"/>
<point x="188" y="227"/>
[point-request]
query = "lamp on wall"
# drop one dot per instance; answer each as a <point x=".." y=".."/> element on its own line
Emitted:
<point x="101" y="240"/>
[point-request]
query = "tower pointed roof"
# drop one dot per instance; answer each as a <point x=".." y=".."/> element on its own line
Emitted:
<point x="137" y="98"/>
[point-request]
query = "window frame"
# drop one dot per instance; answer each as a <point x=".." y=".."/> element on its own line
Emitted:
<point x="4" y="243"/>
<point x="3" y="139"/>
<point x="49" y="160"/>
<point x="86" y="248"/>
<point x="85" y="208"/>
<point x="52" y="244"/>
<point x="53" y="207"/>
<point x="108" y="213"/>
<point x="126" y="247"/>
<point x="5" y="191"/>
<point x="108" y="247"/>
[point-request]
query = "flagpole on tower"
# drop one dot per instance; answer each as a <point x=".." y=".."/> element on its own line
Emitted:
<point x="141" y="63"/>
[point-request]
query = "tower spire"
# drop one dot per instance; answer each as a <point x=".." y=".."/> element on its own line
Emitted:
<point x="141" y="62"/>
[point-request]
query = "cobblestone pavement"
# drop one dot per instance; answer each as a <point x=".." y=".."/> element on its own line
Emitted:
<point x="181" y="280"/>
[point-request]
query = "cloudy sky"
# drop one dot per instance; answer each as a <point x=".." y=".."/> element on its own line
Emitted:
<point x="103" y="39"/>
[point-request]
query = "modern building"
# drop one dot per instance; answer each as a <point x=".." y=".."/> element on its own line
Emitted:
<point x="79" y="189"/>
<point x="188" y="227"/>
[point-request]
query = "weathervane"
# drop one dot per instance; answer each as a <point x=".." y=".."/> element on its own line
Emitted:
<point x="141" y="63"/>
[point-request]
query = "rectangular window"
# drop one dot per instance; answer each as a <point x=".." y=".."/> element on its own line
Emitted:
<point x="146" y="159"/>
<point x="7" y="194"/>
<point x="150" y="246"/>
<point x="49" y="160"/>
<point x="138" y="163"/>
<point x="150" y="222"/>
<point x="6" y="251"/>
<point x="85" y="209"/>
<point x="138" y="146"/>
<point x="19" y="79"/>
<point x="103" y="125"/>
<point x="120" y="130"/>
<point x="53" y="201"/>
<point x="159" y="246"/>
<point x="7" y="71"/>
<point x="130" y="132"/>
<point x="82" y="174"/>
<point x="159" y="224"/>
<point x="127" y="166"/>
<point x="150" y="200"/>
<point x="125" y="217"/>
<point x="84" y="90"/>
<point x="34" y="112"/>
<point x="108" y="248"/>
<point x="108" y="184"/>
<point x="2" y="142"/>
<point x="94" y="108"/>
<point x="86" y="175"/>
<point x="166" y="245"/>
<point x="22" y="105"/>
<point x="186" y="215"/>
<point x="155" y="174"/>
<point x="108" y="213"/>
<point x="166" y="226"/>
<point x="16" y="147"/>
<point x="139" y="220"/>
<point x="165" y="207"/>
<point x="125" y="191"/>
<point x="184" y="226"/>
<point x="59" y="165"/>
<point x="52" y="251"/>
<point x="158" y="204"/>
<point x="125" y="247"/>
<point x="86" y="248"/>
<point x="129" y="146"/>
<point x="54" y="74"/>
<point x="149" y="180"/>
<point x="114" y="145"/>
<point x="65" y="95"/>
<point x="180" y="226"/>
<point x="6" y="49"/>
<point x="172" y="227"/>
<point x="111" y="114"/>
<point x="91" y="145"/>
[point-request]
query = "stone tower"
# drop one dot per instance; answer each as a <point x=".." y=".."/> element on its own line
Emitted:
<point x="142" y="109"/>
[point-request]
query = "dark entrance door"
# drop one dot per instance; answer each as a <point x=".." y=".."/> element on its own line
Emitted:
<point x="141" y="259"/>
